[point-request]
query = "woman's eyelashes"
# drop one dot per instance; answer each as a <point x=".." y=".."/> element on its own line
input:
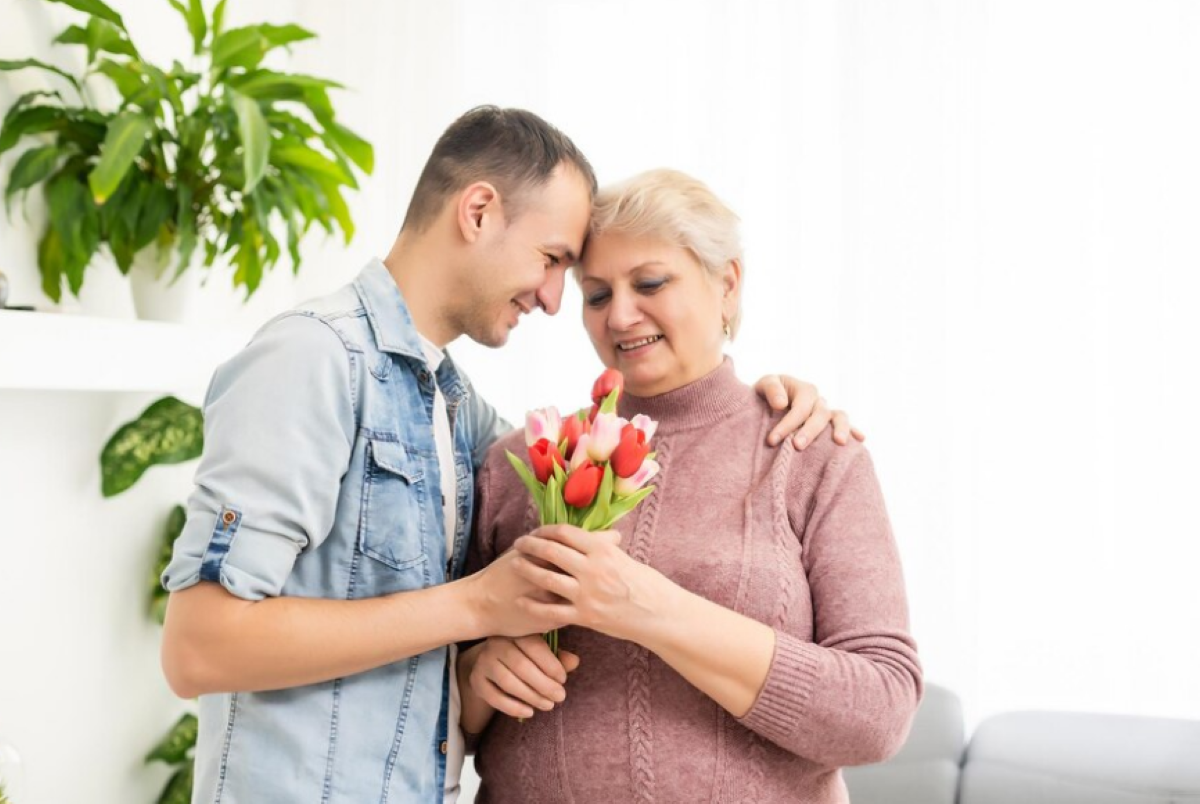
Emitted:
<point x="645" y="287"/>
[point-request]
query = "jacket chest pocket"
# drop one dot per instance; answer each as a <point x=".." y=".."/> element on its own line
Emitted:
<point x="391" y="531"/>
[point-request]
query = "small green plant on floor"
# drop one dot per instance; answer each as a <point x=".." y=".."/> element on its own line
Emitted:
<point x="167" y="432"/>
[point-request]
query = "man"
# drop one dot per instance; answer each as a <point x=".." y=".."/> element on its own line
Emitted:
<point x="316" y="586"/>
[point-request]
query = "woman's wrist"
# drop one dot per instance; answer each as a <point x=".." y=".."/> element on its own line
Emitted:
<point x="658" y="603"/>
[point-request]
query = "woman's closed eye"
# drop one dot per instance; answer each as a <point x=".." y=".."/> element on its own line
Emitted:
<point x="644" y="287"/>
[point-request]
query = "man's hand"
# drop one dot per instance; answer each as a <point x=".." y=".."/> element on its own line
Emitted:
<point x="808" y="413"/>
<point x="498" y="589"/>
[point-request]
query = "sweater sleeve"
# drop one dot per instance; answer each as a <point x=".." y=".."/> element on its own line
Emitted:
<point x="847" y="697"/>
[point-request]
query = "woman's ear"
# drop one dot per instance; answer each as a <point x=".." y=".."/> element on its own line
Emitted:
<point x="476" y="203"/>
<point x="731" y="279"/>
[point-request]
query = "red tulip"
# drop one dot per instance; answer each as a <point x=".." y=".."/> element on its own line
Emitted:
<point x="582" y="485"/>
<point x="572" y="428"/>
<point x="631" y="450"/>
<point x="543" y="455"/>
<point x="609" y="381"/>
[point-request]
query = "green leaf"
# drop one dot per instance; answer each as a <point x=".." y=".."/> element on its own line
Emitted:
<point x="51" y="263"/>
<point x="175" y="747"/>
<point x="337" y="205"/>
<point x="609" y="405"/>
<point x="129" y="82"/>
<point x="76" y="218"/>
<point x="157" y="206"/>
<point x="96" y="9"/>
<point x="623" y="505"/>
<point x="6" y="65"/>
<point x="185" y="227"/>
<point x="179" y="787"/>
<point x="100" y="35"/>
<point x="124" y="141"/>
<point x="218" y="19"/>
<point x="34" y="167"/>
<point x="314" y="162"/>
<point x="358" y="150"/>
<point x="30" y="120"/>
<point x="239" y="47"/>
<point x="256" y="141"/>
<point x="167" y="432"/>
<point x="536" y="489"/>
<point x="197" y="25"/>
<point x="278" y="35"/>
<point x="268" y="84"/>
<point x="599" y="511"/>
<point x="166" y="546"/>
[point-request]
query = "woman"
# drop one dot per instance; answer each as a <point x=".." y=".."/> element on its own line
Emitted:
<point x="748" y="635"/>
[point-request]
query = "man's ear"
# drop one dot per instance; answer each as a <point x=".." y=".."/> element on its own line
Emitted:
<point x="475" y="203"/>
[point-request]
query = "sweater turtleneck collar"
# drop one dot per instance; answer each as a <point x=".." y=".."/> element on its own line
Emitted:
<point x="709" y="399"/>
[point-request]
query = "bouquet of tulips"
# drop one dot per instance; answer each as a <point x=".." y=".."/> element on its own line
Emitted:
<point x="590" y="468"/>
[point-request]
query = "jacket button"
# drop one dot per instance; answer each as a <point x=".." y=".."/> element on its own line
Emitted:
<point x="445" y="746"/>
<point x="228" y="517"/>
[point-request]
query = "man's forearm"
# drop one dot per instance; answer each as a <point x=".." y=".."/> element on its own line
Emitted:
<point x="216" y="642"/>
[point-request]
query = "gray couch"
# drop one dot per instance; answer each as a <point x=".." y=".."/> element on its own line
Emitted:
<point x="1035" y="758"/>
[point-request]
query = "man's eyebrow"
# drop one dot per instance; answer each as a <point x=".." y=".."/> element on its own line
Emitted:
<point x="569" y="256"/>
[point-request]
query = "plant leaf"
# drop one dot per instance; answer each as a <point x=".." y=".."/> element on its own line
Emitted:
<point x="96" y="9"/>
<point x="178" y="743"/>
<point x="166" y="546"/>
<point x="167" y="432"/>
<point x="313" y="161"/>
<point x="277" y="86"/>
<point x="129" y="82"/>
<point x="218" y="19"/>
<point x="358" y="150"/>
<point x="337" y="205"/>
<point x="29" y="120"/>
<point x="256" y="142"/>
<point x="6" y="65"/>
<point x="278" y="35"/>
<point x="34" y="166"/>
<point x="179" y="787"/>
<point x="239" y="47"/>
<point x="197" y="24"/>
<point x="76" y="218"/>
<point x="51" y="264"/>
<point x="124" y="141"/>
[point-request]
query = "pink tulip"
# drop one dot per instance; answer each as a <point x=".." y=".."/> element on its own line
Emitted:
<point x="605" y="435"/>
<point x="542" y="423"/>
<point x="580" y="456"/>
<point x="645" y="424"/>
<point x="624" y="486"/>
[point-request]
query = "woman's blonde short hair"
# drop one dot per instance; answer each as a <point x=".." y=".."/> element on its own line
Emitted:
<point x="671" y="206"/>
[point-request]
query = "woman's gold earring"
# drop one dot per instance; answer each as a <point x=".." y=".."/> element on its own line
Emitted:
<point x="726" y="330"/>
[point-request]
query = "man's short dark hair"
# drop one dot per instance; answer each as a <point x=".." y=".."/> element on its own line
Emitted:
<point x="512" y="148"/>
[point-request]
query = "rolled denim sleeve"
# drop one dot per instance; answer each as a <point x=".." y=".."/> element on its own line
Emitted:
<point x="279" y="427"/>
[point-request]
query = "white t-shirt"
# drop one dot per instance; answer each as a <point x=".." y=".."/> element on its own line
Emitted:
<point x="456" y="747"/>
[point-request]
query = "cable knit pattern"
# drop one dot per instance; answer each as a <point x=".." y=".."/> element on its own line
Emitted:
<point x="797" y="540"/>
<point x="641" y="724"/>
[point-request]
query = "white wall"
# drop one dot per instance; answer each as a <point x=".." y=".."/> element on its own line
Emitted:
<point x="970" y="222"/>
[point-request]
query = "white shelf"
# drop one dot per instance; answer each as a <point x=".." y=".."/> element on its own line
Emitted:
<point x="61" y="352"/>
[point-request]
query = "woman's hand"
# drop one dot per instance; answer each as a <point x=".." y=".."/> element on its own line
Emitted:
<point x="726" y="655"/>
<point x="601" y="587"/>
<point x="808" y="412"/>
<point x="518" y="676"/>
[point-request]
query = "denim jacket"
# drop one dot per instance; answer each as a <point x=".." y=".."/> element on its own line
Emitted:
<point x="320" y="478"/>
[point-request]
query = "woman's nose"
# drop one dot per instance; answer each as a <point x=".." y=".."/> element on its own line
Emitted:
<point x="623" y="312"/>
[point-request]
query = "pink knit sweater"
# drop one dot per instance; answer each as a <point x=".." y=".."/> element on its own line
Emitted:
<point x="797" y="540"/>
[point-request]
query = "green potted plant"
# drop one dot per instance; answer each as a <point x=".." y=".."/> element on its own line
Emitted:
<point x="223" y="158"/>
<point x="169" y="431"/>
